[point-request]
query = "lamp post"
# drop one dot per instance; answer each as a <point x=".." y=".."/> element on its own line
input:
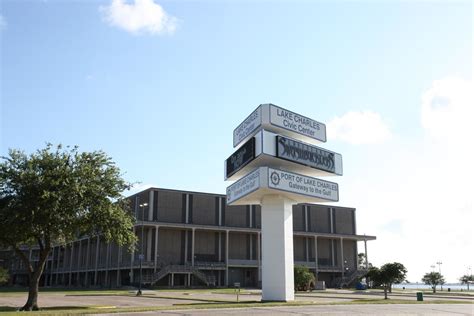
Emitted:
<point x="439" y="263"/>
<point x="141" y="256"/>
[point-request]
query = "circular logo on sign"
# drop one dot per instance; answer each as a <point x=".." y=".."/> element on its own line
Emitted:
<point x="275" y="178"/>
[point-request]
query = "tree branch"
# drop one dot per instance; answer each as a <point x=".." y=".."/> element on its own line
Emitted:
<point x="23" y="257"/>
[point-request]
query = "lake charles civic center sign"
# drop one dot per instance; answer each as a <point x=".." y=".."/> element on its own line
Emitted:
<point x="275" y="166"/>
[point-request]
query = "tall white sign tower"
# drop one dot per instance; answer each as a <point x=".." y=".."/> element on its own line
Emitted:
<point x="275" y="166"/>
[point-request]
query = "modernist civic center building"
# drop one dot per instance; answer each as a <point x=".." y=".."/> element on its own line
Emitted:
<point x="195" y="239"/>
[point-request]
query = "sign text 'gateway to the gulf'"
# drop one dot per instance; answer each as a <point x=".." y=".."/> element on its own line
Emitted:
<point x="274" y="118"/>
<point x="264" y="180"/>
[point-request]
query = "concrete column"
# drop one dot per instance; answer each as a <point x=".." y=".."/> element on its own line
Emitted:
<point x="219" y="250"/>
<point x="189" y="279"/>
<point x="79" y="263"/>
<point x="227" y="258"/>
<point x="277" y="249"/>
<point x="251" y="247"/>
<point x="306" y="243"/>
<point x="107" y="260"/>
<point x="192" y="247"/>
<point x="331" y="218"/>
<point x="57" y="265"/>
<point x="305" y="208"/>
<point x="51" y="268"/>
<point x="186" y="247"/>
<point x="70" y="263"/>
<point x="88" y="253"/>
<point x="259" y="265"/>
<point x="119" y="259"/>
<point x="316" y="266"/>
<point x="250" y="216"/>
<point x="149" y="238"/>
<point x="186" y="219"/>
<point x="96" y="259"/>
<point x="132" y="257"/>
<point x="150" y="206"/>
<point x="156" y="247"/>
<point x="333" y="261"/>
<point x="366" y="259"/>
<point x="220" y="212"/>
<point x="342" y="257"/>
<point x="172" y="279"/>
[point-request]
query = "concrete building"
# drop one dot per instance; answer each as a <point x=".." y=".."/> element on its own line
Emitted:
<point x="195" y="239"/>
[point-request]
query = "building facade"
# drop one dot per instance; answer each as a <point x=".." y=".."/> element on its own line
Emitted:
<point x="195" y="239"/>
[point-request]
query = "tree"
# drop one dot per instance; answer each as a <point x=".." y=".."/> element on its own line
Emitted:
<point x="55" y="195"/>
<point x="433" y="279"/>
<point x="362" y="261"/>
<point x="388" y="274"/>
<point x="466" y="279"/>
<point x="3" y="275"/>
<point x="303" y="278"/>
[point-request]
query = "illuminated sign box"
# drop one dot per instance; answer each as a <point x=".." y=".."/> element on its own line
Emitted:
<point x="279" y="120"/>
<point x="277" y="151"/>
<point x="265" y="180"/>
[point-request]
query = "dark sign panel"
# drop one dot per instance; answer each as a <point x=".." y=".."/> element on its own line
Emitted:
<point x="241" y="157"/>
<point x="304" y="154"/>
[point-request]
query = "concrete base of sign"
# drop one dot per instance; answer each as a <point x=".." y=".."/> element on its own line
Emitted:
<point x="277" y="249"/>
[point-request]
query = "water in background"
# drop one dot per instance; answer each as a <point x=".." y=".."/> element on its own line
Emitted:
<point x="452" y="286"/>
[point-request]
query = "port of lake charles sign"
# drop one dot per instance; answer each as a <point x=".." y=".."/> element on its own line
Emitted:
<point x="265" y="180"/>
<point x="299" y="184"/>
<point x="274" y="118"/>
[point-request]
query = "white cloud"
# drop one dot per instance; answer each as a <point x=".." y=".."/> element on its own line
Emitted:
<point x="3" y="23"/>
<point x="357" y="128"/>
<point x="141" y="16"/>
<point x="447" y="109"/>
<point x="416" y="194"/>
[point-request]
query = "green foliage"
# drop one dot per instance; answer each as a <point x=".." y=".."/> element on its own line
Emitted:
<point x="362" y="260"/>
<point x="303" y="278"/>
<point x="465" y="279"/>
<point x="388" y="274"/>
<point x="58" y="194"/>
<point x="3" y="276"/>
<point x="433" y="279"/>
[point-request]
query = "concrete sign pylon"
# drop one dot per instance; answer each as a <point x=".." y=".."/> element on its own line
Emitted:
<point x="277" y="249"/>
<point x="274" y="167"/>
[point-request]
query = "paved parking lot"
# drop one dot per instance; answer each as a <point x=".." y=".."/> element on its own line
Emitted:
<point x="165" y="298"/>
<point x="390" y="309"/>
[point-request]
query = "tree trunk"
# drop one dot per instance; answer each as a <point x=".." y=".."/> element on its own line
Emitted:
<point x="390" y="288"/>
<point x="385" y="292"/>
<point x="434" y="289"/>
<point x="32" y="302"/>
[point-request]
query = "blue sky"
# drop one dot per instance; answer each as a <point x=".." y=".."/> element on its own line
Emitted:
<point x="162" y="86"/>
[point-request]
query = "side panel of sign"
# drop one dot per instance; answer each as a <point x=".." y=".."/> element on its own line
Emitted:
<point x="299" y="184"/>
<point x="244" y="186"/>
<point x="297" y="123"/>
<point x="308" y="155"/>
<point x="241" y="157"/>
<point x="248" y="126"/>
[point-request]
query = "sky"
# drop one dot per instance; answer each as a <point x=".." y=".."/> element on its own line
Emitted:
<point x="160" y="86"/>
